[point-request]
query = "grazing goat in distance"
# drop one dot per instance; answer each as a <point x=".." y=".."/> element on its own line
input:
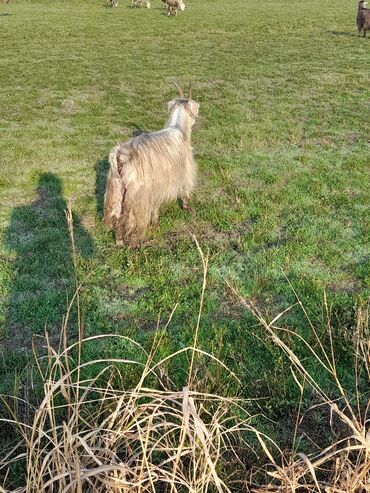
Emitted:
<point x="141" y="3"/>
<point x="150" y="170"/>
<point x="112" y="3"/>
<point x="173" y="6"/>
<point x="363" y="17"/>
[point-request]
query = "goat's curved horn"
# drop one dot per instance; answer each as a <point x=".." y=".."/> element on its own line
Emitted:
<point x="190" y="90"/>
<point x="181" y="93"/>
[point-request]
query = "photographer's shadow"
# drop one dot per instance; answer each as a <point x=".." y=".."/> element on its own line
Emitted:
<point x="43" y="279"/>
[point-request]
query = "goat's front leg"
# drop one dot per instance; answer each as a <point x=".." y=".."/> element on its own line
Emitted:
<point x="184" y="201"/>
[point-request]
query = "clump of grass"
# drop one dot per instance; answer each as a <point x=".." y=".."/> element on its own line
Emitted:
<point x="343" y="466"/>
<point x="93" y="434"/>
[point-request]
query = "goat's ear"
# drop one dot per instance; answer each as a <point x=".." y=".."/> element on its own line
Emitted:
<point x="194" y="107"/>
<point x="171" y="104"/>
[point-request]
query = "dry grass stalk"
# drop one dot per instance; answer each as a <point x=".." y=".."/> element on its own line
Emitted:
<point x="343" y="467"/>
<point x="92" y="436"/>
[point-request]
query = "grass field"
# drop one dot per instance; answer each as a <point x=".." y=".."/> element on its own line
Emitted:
<point x="282" y="202"/>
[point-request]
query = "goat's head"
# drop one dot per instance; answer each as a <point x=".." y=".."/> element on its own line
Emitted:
<point x="186" y="103"/>
<point x="362" y="4"/>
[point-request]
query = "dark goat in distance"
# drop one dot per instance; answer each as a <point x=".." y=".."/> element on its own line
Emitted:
<point x="363" y="17"/>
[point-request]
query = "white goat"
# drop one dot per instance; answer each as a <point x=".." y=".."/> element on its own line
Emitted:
<point x="141" y="3"/>
<point x="150" y="170"/>
<point x="173" y="6"/>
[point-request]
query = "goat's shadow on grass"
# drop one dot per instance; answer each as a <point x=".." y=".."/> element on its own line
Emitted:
<point x="101" y="172"/>
<point x="342" y="33"/>
<point x="43" y="278"/>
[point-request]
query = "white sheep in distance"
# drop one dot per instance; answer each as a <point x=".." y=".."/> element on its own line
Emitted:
<point x="141" y="3"/>
<point x="173" y="6"/>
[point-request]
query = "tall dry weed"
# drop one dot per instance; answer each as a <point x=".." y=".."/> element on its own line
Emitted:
<point x="344" y="466"/>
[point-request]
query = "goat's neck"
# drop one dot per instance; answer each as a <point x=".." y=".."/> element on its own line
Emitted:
<point x="181" y="120"/>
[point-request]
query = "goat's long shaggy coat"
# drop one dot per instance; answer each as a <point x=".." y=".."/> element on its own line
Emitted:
<point x="148" y="171"/>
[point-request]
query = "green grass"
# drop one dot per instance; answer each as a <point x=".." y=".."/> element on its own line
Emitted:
<point x="283" y="152"/>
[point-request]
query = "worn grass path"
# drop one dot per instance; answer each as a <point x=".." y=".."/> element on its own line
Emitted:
<point x="283" y="152"/>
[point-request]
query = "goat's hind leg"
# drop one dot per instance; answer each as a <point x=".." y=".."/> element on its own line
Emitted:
<point x="154" y="219"/>
<point x="118" y="231"/>
<point x="119" y="237"/>
<point x="137" y="221"/>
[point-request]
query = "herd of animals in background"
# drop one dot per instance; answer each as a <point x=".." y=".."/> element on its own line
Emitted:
<point x="172" y="6"/>
<point x="150" y="170"/>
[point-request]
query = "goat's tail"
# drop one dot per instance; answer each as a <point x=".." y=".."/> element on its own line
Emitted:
<point x="114" y="193"/>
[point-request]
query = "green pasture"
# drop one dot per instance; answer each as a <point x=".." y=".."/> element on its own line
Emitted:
<point x="282" y="201"/>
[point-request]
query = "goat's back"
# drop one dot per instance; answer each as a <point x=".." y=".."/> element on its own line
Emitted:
<point x="155" y="166"/>
<point x="176" y="3"/>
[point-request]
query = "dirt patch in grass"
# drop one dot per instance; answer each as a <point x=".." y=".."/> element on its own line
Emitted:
<point x="346" y="286"/>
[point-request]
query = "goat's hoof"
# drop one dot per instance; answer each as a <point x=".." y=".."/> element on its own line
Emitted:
<point x="119" y="243"/>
